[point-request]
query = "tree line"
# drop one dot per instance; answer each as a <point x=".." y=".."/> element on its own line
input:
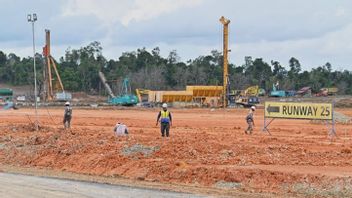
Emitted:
<point x="79" y="69"/>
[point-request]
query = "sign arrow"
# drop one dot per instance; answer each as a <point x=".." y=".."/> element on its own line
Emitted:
<point x="273" y="109"/>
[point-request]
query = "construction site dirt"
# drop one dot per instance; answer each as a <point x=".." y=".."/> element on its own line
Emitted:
<point x="207" y="148"/>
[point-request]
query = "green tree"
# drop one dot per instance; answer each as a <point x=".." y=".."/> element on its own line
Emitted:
<point x="259" y="73"/>
<point x="295" y="68"/>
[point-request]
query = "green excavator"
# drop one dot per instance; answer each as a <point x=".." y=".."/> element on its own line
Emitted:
<point x="125" y="98"/>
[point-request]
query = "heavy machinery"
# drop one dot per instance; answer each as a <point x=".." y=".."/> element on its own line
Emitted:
<point x="126" y="98"/>
<point x="51" y="84"/>
<point x="252" y="91"/>
<point x="329" y="91"/>
<point x="304" y="92"/>
<point x="276" y="92"/>
<point x="6" y="94"/>
<point x="142" y="95"/>
<point x="261" y="92"/>
<point x="6" y="99"/>
<point x="245" y="98"/>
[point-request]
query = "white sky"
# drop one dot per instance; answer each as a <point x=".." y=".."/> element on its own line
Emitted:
<point x="313" y="31"/>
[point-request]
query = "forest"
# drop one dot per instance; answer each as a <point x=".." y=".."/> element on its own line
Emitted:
<point x="79" y="69"/>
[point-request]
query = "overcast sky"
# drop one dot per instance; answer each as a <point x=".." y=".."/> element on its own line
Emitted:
<point x="313" y="31"/>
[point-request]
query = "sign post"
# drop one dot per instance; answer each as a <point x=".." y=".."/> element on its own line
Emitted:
<point x="296" y="110"/>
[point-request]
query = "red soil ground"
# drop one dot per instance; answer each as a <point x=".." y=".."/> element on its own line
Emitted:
<point x="206" y="147"/>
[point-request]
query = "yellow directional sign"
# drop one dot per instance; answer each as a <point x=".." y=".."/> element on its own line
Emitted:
<point x="314" y="111"/>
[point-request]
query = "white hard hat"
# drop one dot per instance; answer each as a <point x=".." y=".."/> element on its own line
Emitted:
<point x="164" y="105"/>
<point x="67" y="103"/>
<point x="253" y="107"/>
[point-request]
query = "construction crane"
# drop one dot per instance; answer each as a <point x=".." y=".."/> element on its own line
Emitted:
<point x="49" y="87"/>
<point x="225" y="23"/>
<point x="126" y="98"/>
<point x="106" y="85"/>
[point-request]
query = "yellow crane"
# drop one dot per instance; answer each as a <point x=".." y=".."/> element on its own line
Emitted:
<point x="225" y="23"/>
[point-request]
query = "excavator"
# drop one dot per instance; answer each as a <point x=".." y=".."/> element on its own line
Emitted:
<point x="126" y="98"/>
<point x="245" y="98"/>
<point x="276" y="92"/>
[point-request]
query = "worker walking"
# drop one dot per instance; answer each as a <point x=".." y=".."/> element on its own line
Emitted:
<point x="165" y="119"/>
<point x="250" y="120"/>
<point x="67" y="115"/>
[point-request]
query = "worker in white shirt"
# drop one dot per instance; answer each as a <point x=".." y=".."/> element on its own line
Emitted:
<point x="120" y="129"/>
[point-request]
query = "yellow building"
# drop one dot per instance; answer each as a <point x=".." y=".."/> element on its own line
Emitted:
<point x="204" y="95"/>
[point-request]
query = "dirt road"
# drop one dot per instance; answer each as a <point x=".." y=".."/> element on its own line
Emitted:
<point x="207" y="148"/>
<point x="18" y="186"/>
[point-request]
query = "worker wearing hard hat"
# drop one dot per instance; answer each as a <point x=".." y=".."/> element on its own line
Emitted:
<point x="67" y="115"/>
<point x="165" y="119"/>
<point x="121" y="129"/>
<point x="250" y="120"/>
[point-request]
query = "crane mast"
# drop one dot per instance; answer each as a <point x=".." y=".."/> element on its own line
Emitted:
<point x="225" y="23"/>
<point x="49" y="64"/>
